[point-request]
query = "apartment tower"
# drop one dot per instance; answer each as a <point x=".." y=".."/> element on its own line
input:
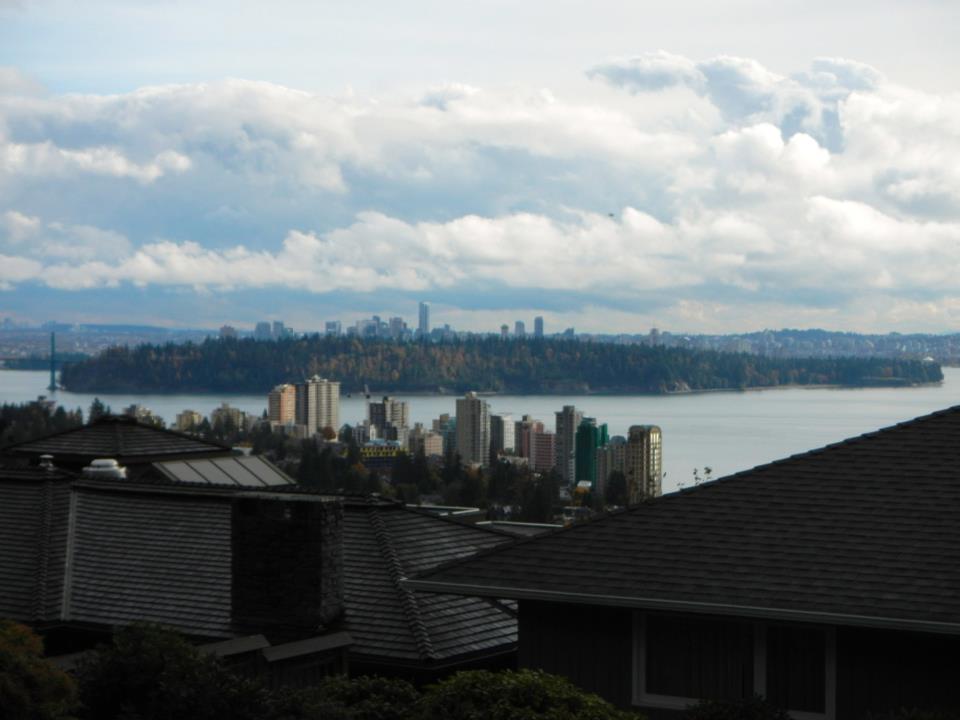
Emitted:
<point x="473" y="430"/>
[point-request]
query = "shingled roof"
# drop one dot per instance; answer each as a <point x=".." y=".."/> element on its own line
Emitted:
<point x="862" y="532"/>
<point x="121" y="438"/>
<point x="383" y="542"/>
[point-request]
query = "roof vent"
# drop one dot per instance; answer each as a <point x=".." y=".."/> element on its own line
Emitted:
<point x="46" y="462"/>
<point x="105" y="468"/>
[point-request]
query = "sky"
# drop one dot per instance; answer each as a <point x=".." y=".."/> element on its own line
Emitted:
<point x="611" y="166"/>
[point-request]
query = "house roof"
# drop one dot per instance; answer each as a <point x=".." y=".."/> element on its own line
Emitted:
<point x="100" y="553"/>
<point x="136" y="554"/>
<point x="862" y="532"/>
<point x="383" y="542"/>
<point x="119" y="437"/>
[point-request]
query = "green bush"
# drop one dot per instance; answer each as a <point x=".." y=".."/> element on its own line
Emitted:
<point x="754" y="708"/>
<point x="361" y="698"/>
<point x="521" y="695"/>
<point x="30" y="687"/>
<point x="151" y="673"/>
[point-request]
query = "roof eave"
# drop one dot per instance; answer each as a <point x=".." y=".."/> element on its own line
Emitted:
<point x="760" y="613"/>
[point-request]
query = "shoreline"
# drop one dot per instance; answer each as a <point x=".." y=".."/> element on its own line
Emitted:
<point x="488" y="393"/>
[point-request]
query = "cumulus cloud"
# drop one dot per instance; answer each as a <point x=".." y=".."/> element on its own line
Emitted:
<point x="747" y="193"/>
<point x="31" y="237"/>
<point x="746" y="92"/>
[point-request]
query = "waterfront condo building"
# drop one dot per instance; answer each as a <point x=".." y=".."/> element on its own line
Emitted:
<point x="589" y="437"/>
<point x="523" y="435"/>
<point x="568" y="420"/>
<point x="388" y="412"/>
<point x="282" y="404"/>
<point x="611" y="458"/>
<point x="501" y="435"/>
<point x="543" y="451"/>
<point x="188" y="420"/>
<point x="318" y="404"/>
<point x="473" y="430"/>
<point x="644" y="462"/>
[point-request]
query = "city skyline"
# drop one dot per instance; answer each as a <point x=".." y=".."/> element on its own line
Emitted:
<point x="677" y="176"/>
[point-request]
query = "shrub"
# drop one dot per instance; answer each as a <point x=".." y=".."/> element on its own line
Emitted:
<point x="361" y="698"/>
<point x="754" y="708"/>
<point x="521" y="695"/>
<point x="152" y="673"/>
<point x="30" y="687"/>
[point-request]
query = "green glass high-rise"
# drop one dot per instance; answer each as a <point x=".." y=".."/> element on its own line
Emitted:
<point x="589" y="438"/>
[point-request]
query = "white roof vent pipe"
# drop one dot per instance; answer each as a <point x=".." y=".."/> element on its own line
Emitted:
<point x="46" y="462"/>
<point x="105" y="468"/>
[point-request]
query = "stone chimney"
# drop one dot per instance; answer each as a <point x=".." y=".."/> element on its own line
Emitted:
<point x="287" y="564"/>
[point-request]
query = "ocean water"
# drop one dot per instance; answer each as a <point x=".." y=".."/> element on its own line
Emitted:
<point x="727" y="431"/>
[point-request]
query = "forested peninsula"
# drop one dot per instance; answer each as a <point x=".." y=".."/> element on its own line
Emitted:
<point x="486" y="364"/>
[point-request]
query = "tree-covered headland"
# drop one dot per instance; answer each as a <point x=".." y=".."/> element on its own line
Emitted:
<point x="487" y="364"/>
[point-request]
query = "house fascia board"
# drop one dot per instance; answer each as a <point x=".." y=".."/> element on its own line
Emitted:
<point x="760" y="613"/>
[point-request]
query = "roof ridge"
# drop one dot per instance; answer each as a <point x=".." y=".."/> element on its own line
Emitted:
<point x="117" y="421"/>
<point x="408" y="600"/>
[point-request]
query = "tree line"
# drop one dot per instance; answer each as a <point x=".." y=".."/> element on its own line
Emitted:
<point x="488" y="364"/>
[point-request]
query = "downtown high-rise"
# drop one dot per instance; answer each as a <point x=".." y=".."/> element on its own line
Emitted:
<point x="473" y="430"/>
<point x="423" y="327"/>
<point x="568" y="420"/>
<point x="644" y="462"/>
<point x="318" y="404"/>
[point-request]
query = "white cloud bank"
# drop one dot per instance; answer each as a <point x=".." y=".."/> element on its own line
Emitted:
<point x="715" y="187"/>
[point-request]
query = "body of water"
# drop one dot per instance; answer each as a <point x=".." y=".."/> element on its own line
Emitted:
<point x="727" y="431"/>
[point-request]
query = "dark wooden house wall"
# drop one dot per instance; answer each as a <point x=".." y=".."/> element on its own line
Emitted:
<point x="592" y="646"/>
<point x="877" y="671"/>
<point x="881" y="670"/>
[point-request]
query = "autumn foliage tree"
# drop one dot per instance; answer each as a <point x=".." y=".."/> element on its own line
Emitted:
<point x="30" y="687"/>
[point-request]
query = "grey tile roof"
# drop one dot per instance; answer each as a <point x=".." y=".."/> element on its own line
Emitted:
<point x="866" y="531"/>
<point x="121" y="438"/>
<point x="145" y="556"/>
<point x="383" y="542"/>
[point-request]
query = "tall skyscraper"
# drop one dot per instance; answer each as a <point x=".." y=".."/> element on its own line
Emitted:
<point x="473" y="430"/>
<point x="524" y="430"/>
<point x="588" y="440"/>
<point x="542" y="451"/>
<point x="446" y="426"/>
<point x="388" y="412"/>
<point x="423" y="328"/>
<point x="611" y="457"/>
<point x="568" y="420"/>
<point x="538" y="326"/>
<point x="318" y="404"/>
<point x="333" y="327"/>
<point x="519" y="329"/>
<point x="263" y="331"/>
<point x="644" y="462"/>
<point x="501" y="434"/>
<point x="282" y="404"/>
